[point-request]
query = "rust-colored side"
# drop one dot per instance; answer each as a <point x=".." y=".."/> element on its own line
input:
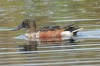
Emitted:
<point x="50" y="34"/>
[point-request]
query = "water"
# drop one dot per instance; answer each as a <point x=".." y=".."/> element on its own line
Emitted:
<point x="17" y="50"/>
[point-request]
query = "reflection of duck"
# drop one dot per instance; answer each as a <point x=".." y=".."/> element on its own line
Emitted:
<point x="47" y="32"/>
<point x="35" y="45"/>
<point x="31" y="46"/>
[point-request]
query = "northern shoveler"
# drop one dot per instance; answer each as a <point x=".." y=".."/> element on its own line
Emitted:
<point x="48" y="31"/>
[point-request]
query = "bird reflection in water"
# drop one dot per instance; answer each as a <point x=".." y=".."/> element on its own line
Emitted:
<point x="33" y="44"/>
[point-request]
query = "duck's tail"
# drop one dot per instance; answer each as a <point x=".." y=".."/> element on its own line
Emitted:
<point x="77" y="30"/>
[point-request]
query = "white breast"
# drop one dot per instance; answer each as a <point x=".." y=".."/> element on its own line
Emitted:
<point x="32" y="35"/>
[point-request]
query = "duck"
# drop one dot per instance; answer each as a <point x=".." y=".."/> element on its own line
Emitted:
<point x="47" y="31"/>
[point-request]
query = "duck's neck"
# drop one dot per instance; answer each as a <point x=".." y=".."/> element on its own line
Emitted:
<point x="32" y="28"/>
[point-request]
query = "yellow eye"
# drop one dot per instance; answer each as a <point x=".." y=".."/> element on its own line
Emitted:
<point x="26" y="22"/>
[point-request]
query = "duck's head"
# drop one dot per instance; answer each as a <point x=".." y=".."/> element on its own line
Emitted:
<point x="28" y="24"/>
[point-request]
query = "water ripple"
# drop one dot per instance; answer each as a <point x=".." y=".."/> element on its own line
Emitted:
<point x="75" y="20"/>
<point x="89" y="34"/>
<point x="48" y="51"/>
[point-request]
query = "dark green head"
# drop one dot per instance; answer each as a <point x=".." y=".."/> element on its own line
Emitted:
<point x="27" y="24"/>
